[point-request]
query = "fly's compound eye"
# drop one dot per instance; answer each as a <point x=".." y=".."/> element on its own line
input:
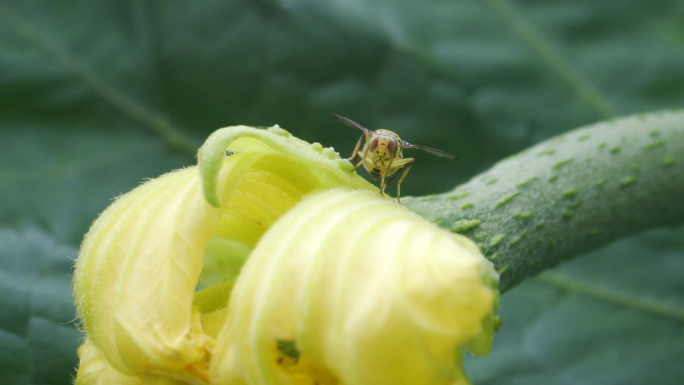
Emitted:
<point x="374" y="144"/>
<point x="392" y="147"/>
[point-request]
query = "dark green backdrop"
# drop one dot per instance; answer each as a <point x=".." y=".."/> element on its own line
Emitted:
<point x="97" y="96"/>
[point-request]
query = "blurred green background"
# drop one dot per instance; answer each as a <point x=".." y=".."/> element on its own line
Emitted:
<point x="97" y="96"/>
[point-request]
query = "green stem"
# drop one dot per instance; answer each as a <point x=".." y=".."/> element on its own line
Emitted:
<point x="570" y="194"/>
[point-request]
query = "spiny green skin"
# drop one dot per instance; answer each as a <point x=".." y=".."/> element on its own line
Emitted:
<point x="570" y="194"/>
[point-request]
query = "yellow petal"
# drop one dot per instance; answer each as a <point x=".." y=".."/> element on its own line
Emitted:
<point x="95" y="370"/>
<point x="369" y="292"/>
<point x="140" y="263"/>
<point x="329" y="169"/>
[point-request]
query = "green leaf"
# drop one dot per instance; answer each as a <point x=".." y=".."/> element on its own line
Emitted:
<point x="97" y="96"/>
<point x="37" y="330"/>
<point x="609" y="317"/>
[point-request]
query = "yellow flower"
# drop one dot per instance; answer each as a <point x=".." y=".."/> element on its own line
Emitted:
<point x="339" y="285"/>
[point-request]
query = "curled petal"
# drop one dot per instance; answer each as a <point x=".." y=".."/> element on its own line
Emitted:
<point x="141" y="261"/>
<point x="329" y="168"/>
<point x="364" y="290"/>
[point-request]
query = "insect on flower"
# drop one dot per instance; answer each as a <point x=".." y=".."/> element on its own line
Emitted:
<point x="382" y="154"/>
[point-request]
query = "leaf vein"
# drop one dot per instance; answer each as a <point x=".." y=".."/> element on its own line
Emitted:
<point x="629" y="300"/>
<point x="560" y="65"/>
<point x="159" y="125"/>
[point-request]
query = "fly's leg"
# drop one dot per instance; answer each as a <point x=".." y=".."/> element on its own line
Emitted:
<point x="403" y="162"/>
<point x="392" y="178"/>
<point x="363" y="156"/>
<point x="401" y="180"/>
<point x="356" y="150"/>
<point x="384" y="175"/>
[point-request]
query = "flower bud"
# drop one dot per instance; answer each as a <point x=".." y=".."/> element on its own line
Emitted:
<point x="354" y="286"/>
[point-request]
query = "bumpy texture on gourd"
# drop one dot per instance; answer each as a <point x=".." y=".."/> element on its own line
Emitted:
<point x="569" y="194"/>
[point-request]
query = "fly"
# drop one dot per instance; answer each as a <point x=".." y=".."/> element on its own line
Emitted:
<point x="382" y="154"/>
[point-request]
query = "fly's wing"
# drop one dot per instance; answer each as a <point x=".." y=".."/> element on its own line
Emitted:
<point x="433" y="151"/>
<point x="351" y="123"/>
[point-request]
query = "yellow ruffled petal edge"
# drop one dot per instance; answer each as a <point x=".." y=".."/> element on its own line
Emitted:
<point x="367" y="291"/>
<point x="142" y="259"/>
